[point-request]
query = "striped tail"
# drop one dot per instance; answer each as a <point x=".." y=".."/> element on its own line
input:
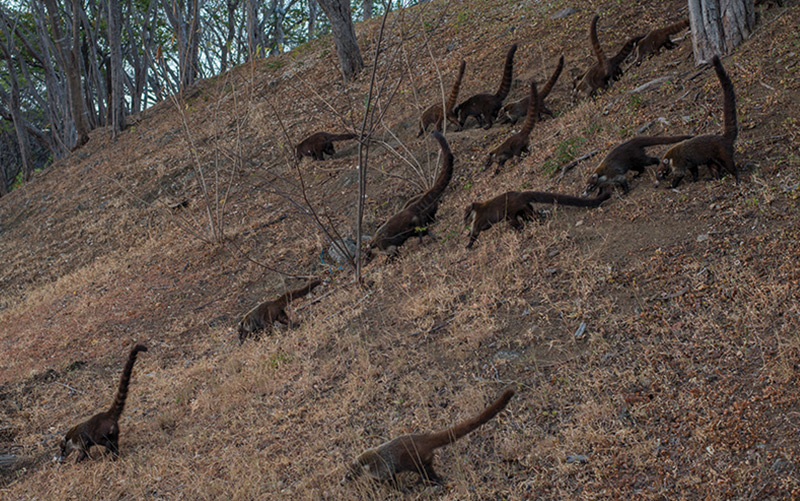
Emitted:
<point x="677" y="27"/>
<point x="453" y="97"/>
<point x="544" y="197"/>
<point x="553" y="79"/>
<point x="533" y="111"/>
<point x="292" y="295"/>
<point x="729" y="100"/>
<point x="122" y="393"/>
<point x="452" y="434"/>
<point x="598" y="52"/>
<point x="508" y="70"/>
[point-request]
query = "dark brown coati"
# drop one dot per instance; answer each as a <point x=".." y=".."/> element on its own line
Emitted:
<point x="102" y="428"/>
<point x="600" y="75"/>
<point x="626" y="156"/>
<point x="654" y="41"/>
<point x="485" y="107"/>
<point x="434" y="114"/>
<point x="709" y="149"/>
<point x="516" y="144"/>
<point x="512" y="112"/>
<point x="262" y="316"/>
<point x="417" y="213"/>
<point x="318" y="144"/>
<point x="515" y="207"/>
<point x="414" y="453"/>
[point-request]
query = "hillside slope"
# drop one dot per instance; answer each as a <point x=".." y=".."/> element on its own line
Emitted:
<point x="683" y="383"/>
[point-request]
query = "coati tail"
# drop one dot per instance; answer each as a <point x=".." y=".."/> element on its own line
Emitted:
<point x="505" y="84"/>
<point x="292" y="295"/>
<point x="533" y="111"/>
<point x="122" y="393"/>
<point x="544" y="197"/>
<point x="729" y="100"/>
<point x="443" y="179"/>
<point x="620" y="56"/>
<point x="453" y="97"/>
<point x="553" y="79"/>
<point x="644" y="141"/>
<point x="452" y="434"/>
<point x="598" y="51"/>
<point x="677" y="27"/>
<point x="340" y="137"/>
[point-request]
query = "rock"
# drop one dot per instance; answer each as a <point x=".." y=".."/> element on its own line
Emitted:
<point x="577" y="458"/>
<point x="563" y="13"/>
<point x="581" y="332"/>
<point x="349" y="244"/>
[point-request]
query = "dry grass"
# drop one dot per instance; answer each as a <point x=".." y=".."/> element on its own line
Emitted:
<point x="684" y="383"/>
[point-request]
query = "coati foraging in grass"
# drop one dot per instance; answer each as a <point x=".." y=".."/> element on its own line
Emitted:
<point x="516" y="144"/>
<point x="102" y="428"/>
<point x="414" y="453"/>
<point x="654" y="41"/>
<point x="417" y="213"/>
<point x="626" y="156"/>
<point x="262" y="316"/>
<point x="435" y="115"/>
<point x="318" y="144"/>
<point x="709" y="149"/>
<point x="512" y="112"/>
<point x="485" y="107"/>
<point x="600" y="75"/>
<point x="515" y="207"/>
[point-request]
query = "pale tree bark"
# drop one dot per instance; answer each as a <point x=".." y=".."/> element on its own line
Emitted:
<point x="231" y="5"/>
<point x="366" y="9"/>
<point x="186" y="26"/>
<point x="116" y="105"/>
<point x="255" y="29"/>
<point x="312" y="18"/>
<point x="719" y="25"/>
<point x="344" y="35"/>
<point x="10" y="53"/>
<point x="276" y="13"/>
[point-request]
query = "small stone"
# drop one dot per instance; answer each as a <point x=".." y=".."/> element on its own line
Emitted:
<point x="703" y="237"/>
<point x="563" y="13"/>
<point x="577" y="458"/>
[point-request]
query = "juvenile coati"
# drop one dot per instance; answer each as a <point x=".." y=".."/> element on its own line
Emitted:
<point x="512" y="112"/>
<point x="102" y="428"/>
<point x="485" y="107"/>
<point x="414" y="453"/>
<point x="709" y="149"/>
<point x="434" y="115"/>
<point x="626" y="156"/>
<point x="600" y="75"/>
<point x="417" y="213"/>
<point x="515" y="207"/>
<point x="318" y="144"/>
<point x="654" y="41"/>
<point x="262" y="316"/>
<point x="516" y="144"/>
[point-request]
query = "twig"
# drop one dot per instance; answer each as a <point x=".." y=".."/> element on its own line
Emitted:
<point x="667" y="297"/>
<point x="70" y="387"/>
<point x="268" y="223"/>
<point x="568" y="167"/>
<point x="435" y="327"/>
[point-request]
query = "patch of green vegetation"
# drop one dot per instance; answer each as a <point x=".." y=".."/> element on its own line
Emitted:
<point x="566" y="151"/>
<point x="278" y="359"/>
<point x="275" y="64"/>
<point x="468" y="185"/>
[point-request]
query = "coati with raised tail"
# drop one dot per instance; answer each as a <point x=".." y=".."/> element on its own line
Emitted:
<point x="434" y="114"/>
<point x="485" y="107"/>
<point x="414" y="452"/>
<point x="626" y="156"/>
<point x="600" y="75"/>
<point x="654" y="41"/>
<point x="318" y="144"/>
<point x="516" y="144"/>
<point x="512" y="112"/>
<point x="102" y="428"/>
<point x="417" y="213"/>
<point x="713" y="150"/>
<point x="262" y="316"/>
<point x="515" y="207"/>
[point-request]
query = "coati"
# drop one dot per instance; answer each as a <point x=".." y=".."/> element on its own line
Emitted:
<point x="709" y="149"/>
<point x="417" y="213"/>
<point x="512" y="112"/>
<point x="485" y="107"/>
<point x="102" y="428"/>
<point x="318" y="144"/>
<point x="516" y="144"/>
<point x="414" y="453"/>
<point x="515" y="207"/>
<point x="626" y="156"/>
<point x="434" y="115"/>
<point x="600" y="75"/>
<point x="262" y="316"/>
<point x="657" y="39"/>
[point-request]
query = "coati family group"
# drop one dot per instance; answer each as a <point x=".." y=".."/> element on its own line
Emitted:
<point x="414" y="452"/>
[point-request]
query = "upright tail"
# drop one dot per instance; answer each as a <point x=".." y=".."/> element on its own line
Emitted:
<point x="601" y="58"/>
<point x="452" y="434"/>
<point x="626" y="49"/>
<point x="292" y="295"/>
<point x="453" y="97"/>
<point x="677" y="27"/>
<point x="543" y="197"/>
<point x="644" y="141"/>
<point x="534" y="108"/>
<point x="505" y="84"/>
<point x="729" y="100"/>
<point x="553" y="79"/>
<point x="446" y="173"/>
<point x="122" y="392"/>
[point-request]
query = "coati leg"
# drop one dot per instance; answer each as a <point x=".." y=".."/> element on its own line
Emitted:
<point x="429" y="474"/>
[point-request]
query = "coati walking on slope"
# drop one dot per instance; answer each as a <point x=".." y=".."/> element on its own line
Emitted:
<point x="512" y="112"/>
<point x="435" y="115"/>
<point x="709" y="149"/>
<point x="318" y="144"/>
<point x="102" y="428"/>
<point x="626" y="156"/>
<point x="516" y="144"/>
<point x="653" y="42"/>
<point x="600" y="75"/>
<point x="515" y="207"/>
<point x="417" y="213"/>
<point x="414" y="453"/>
<point x="265" y="314"/>
<point x="485" y="107"/>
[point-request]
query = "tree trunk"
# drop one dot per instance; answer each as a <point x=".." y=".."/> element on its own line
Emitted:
<point x="719" y="25"/>
<point x="255" y="34"/>
<point x="312" y="18"/>
<point x="366" y="9"/>
<point x="117" y="104"/>
<point x="10" y="53"/>
<point x="344" y="35"/>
